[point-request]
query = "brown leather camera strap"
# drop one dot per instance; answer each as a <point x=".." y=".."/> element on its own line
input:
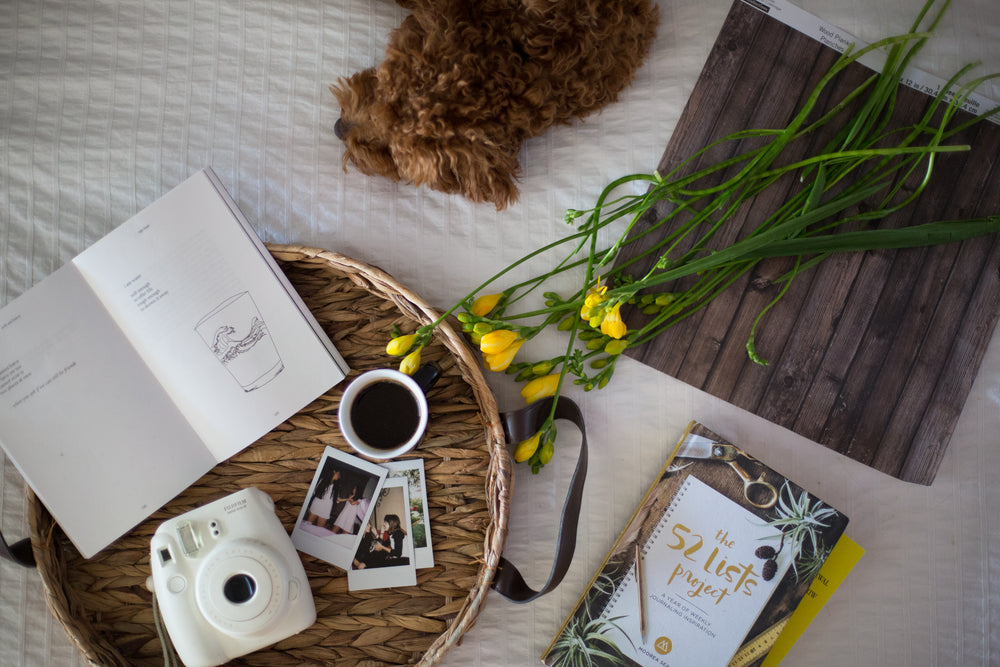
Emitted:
<point x="19" y="552"/>
<point x="519" y="426"/>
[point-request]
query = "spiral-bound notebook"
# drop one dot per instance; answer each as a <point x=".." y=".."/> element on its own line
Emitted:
<point x="728" y="547"/>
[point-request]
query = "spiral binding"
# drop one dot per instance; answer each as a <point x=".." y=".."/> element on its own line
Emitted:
<point x="644" y="547"/>
<point x="667" y="511"/>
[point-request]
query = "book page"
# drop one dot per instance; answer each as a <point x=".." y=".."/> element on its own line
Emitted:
<point x="82" y="418"/>
<point x="703" y="587"/>
<point x="194" y="296"/>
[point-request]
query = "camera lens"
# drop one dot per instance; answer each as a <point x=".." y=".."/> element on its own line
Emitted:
<point x="239" y="588"/>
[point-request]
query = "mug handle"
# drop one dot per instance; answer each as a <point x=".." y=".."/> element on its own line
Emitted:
<point x="518" y="426"/>
<point x="427" y="375"/>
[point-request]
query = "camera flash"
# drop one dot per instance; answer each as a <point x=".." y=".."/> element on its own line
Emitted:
<point x="188" y="540"/>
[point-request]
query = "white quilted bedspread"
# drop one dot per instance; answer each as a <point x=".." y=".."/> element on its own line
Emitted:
<point x="107" y="104"/>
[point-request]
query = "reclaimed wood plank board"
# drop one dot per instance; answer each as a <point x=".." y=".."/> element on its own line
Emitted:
<point x="871" y="354"/>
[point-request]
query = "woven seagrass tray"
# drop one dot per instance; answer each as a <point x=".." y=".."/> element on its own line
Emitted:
<point x="103" y="602"/>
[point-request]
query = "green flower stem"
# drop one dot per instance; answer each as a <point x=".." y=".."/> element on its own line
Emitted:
<point x="691" y="302"/>
<point x="482" y="286"/>
<point x="583" y="235"/>
<point x="851" y="155"/>
<point x="864" y="172"/>
<point x="594" y="226"/>
<point x="928" y="234"/>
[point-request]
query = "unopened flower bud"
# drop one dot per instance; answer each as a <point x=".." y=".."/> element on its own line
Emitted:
<point x="524" y="449"/>
<point x="540" y="388"/>
<point x="496" y="341"/>
<point x="615" y="347"/>
<point x="499" y="361"/>
<point x="400" y="345"/>
<point x="542" y="368"/>
<point x="485" y="304"/>
<point x="664" y="299"/>
<point x="545" y="454"/>
<point x="410" y="363"/>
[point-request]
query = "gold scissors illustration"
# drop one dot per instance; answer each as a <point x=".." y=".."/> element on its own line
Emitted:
<point x="756" y="491"/>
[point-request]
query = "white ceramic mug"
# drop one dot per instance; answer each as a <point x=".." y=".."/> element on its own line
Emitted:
<point x="383" y="413"/>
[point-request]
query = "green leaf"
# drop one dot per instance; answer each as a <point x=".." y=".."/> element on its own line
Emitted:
<point x="927" y="234"/>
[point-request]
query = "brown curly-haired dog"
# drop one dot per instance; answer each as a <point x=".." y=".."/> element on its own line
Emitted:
<point x="465" y="82"/>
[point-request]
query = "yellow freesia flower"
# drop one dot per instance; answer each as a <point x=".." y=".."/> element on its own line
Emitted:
<point x="612" y="324"/>
<point x="411" y="362"/>
<point x="484" y="304"/>
<point x="594" y="298"/>
<point x="400" y="345"/>
<point x="540" y="388"/>
<point x="497" y="341"/>
<point x="525" y="448"/>
<point x="499" y="361"/>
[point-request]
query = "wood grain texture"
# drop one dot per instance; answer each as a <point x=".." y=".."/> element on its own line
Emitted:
<point x="871" y="354"/>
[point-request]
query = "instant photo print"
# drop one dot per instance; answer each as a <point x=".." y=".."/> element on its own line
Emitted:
<point x="413" y="471"/>
<point x="384" y="555"/>
<point x="340" y="500"/>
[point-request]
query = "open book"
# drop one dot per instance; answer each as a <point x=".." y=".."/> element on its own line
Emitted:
<point x="168" y="346"/>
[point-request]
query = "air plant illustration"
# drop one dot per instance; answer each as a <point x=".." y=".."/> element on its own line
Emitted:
<point x="585" y="642"/>
<point x="801" y="521"/>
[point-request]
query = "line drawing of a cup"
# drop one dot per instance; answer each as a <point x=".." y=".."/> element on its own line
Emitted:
<point x="237" y="335"/>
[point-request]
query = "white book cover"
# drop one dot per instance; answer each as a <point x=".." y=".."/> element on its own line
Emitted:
<point x="700" y="581"/>
<point x="166" y="347"/>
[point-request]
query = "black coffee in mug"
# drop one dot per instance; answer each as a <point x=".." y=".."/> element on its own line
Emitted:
<point x="385" y="415"/>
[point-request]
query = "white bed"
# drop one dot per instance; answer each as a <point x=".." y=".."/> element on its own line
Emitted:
<point x="107" y="104"/>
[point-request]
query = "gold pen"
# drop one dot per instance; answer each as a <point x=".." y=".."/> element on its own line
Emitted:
<point x="640" y="585"/>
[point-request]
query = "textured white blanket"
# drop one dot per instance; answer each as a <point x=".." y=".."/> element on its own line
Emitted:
<point x="107" y="104"/>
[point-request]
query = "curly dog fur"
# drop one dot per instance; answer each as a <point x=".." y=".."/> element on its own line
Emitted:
<point x="465" y="82"/>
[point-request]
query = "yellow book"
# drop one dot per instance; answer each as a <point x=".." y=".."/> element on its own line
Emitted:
<point x="845" y="555"/>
